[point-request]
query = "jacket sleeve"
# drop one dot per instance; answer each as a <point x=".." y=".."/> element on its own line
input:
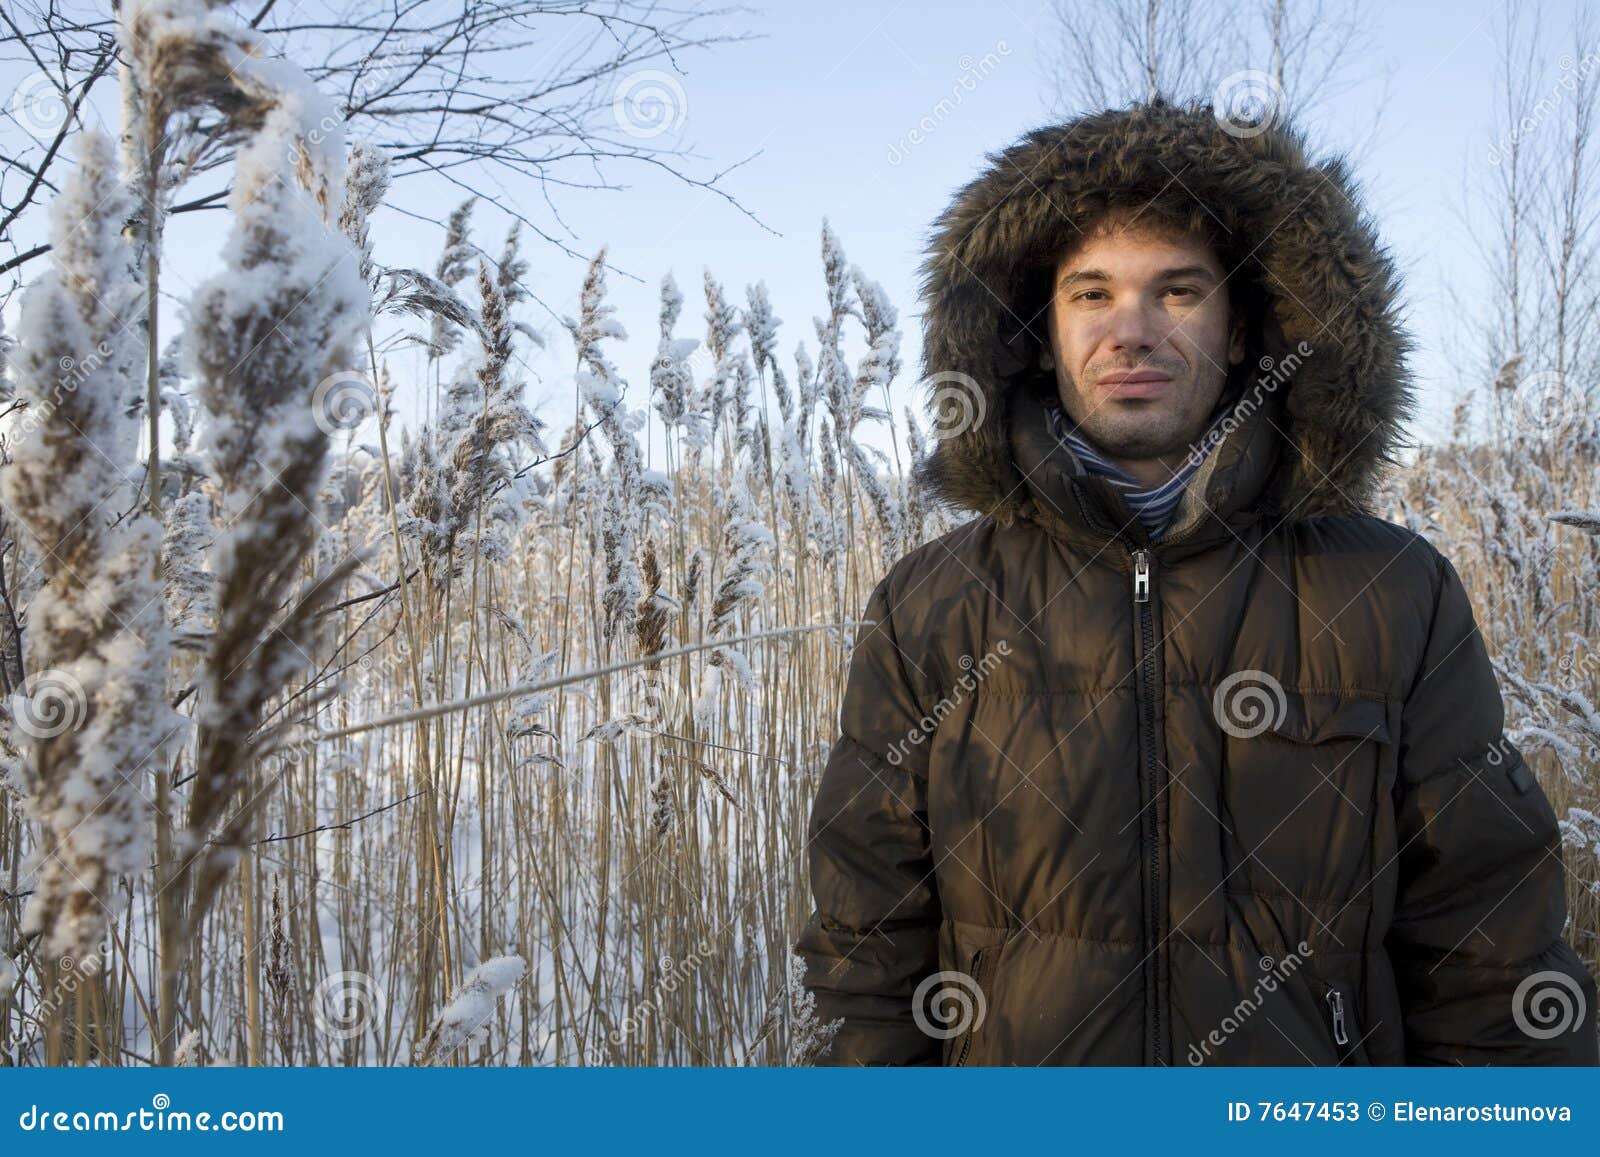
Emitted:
<point x="873" y="934"/>
<point x="1484" y="974"/>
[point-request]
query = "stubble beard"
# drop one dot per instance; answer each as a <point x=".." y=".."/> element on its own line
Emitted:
<point x="1126" y="432"/>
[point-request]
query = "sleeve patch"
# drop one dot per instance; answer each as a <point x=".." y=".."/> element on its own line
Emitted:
<point x="1522" y="777"/>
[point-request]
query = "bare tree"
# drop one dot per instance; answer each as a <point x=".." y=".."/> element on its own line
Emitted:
<point x="1567" y="230"/>
<point x="1531" y="211"/>
<point x="1113" y="52"/>
<point x="1266" y="54"/>
<point x="485" y="93"/>
<point x="61" y="59"/>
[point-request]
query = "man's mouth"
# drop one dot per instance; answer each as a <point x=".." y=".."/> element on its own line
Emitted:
<point x="1137" y="384"/>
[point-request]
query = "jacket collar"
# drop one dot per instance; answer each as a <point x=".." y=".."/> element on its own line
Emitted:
<point x="1229" y="489"/>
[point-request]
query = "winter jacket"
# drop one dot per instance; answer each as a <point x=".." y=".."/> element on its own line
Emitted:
<point x="1240" y="795"/>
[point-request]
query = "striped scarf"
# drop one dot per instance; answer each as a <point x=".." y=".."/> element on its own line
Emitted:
<point x="1152" y="505"/>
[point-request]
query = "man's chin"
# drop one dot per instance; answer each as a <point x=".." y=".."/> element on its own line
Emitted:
<point x="1138" y="444"/>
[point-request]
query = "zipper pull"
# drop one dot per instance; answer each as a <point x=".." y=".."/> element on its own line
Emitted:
<point x="1336" y="1002"/>
<point x="1141" y="576"/>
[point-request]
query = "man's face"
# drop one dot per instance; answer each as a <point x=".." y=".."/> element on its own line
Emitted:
<point x="1141" y="340"/>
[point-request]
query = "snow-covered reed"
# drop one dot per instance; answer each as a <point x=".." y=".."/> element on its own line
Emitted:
<point x="91" y="716"/>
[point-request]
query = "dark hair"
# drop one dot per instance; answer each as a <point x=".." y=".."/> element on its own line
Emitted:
<point x="1172" y="212"/>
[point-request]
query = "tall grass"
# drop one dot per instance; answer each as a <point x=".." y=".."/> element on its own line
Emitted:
<point x="1502" y="510"/>
<point x="633" y="838"/>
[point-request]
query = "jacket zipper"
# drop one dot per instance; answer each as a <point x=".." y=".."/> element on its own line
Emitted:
<point x="1144" y="694"/>
<point x="1335" y="1000"/>
<point x="1144" y="697"/>
<point x="979" y="960"/>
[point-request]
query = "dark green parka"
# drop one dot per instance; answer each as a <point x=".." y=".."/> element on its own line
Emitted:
<point x="1237" y="796"/>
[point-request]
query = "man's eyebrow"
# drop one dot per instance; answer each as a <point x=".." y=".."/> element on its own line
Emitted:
<point x="1074" y="276"/>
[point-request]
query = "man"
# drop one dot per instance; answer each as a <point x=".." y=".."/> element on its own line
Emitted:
<point x="1174" y="754"/>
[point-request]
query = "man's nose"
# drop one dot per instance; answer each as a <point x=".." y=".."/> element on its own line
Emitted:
<point x="1136" y="326"/>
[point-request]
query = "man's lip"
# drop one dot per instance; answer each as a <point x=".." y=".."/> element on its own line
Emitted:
<point x="1136" y="385"/>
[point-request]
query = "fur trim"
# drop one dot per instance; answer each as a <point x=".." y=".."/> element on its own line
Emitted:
<point x="1328" y="282"/>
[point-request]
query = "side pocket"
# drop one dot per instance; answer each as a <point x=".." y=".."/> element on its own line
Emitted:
<point x="982" y="965"/>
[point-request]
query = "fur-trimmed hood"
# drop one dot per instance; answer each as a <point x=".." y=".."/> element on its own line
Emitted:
<point x="1333" y="422"/>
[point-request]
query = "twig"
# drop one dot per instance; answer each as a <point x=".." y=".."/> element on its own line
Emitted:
<point x="521" y="689"/>
<point x="345" y="826"/>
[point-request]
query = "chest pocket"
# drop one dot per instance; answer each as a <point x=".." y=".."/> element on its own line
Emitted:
<point x="1315" y="718"/>
<point x="1301" y="796"/>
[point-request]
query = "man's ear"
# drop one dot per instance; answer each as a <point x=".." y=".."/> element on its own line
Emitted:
<point x="1236" y="341"/>
<point x="1047" y="351"/>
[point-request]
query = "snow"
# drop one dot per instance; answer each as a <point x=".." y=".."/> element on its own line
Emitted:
<point x="94" y="709"/>
<point x="465" y="1017"/>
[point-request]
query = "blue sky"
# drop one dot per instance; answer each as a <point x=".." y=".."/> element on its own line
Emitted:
<point x="830" y="91"/>
<point x="825" y="97"/>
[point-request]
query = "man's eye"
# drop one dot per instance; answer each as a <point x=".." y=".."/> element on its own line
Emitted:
<point x="1183" y="289"/>
<point x="1084" y="296"/>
